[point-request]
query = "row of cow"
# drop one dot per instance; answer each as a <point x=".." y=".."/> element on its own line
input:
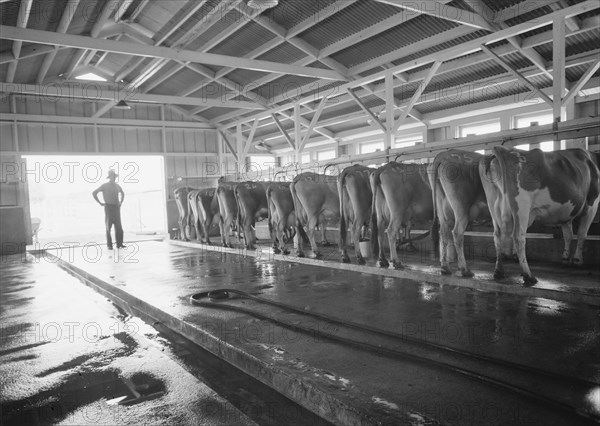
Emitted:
<point x="512" y="187"/>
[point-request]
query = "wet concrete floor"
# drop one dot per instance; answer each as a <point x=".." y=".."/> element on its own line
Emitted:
<point x="70" y="356"/>
<point x="555" y="336"/>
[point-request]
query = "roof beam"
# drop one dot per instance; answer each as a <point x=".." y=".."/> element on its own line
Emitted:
<point x="228" y="143"/>
<point x="369" y="32"/>
<point x="483" y="10"/>
<point x="312" y="124"/>
<point x="63" y="26"/>
<point x="446" y="54"/>
<point x="90" y="121"/>
<point x="98" y="92"/>
<point x="190" y="34"/>
<point x="415" y="97"/>
<point x="23" y="17"/>
<point x="442" y="11"/>
<point x="508" y="67"/>
<point x="283" y="132"/>
<point x="46" y="37"/>
<point x="104" y="109"/>
<point x="26" y="52"/>
<point x="582" y="81"/>
<point x="473" y="89"/>
<point x="366" y="109"/>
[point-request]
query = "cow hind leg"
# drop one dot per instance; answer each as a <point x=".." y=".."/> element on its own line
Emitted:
<point x="458" y="235"/>
<point x="392" y="231"/>
<point x="445" y="236"/>
<point x="584" y="226"/>
<point x="311" y="231"/>
<point x="356" y="231"/>
<point x="520" y="230"/>
<point x="499" y="269"/>
<point x="567" y="231"/>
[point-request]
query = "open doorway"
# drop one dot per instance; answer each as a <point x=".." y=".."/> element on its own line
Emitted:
<point x="62" y="206"/>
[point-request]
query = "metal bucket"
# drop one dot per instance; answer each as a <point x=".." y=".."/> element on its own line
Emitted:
<point x="365" y="248"/>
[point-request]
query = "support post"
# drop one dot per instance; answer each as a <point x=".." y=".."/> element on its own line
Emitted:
<point x="389" y="111"/>
<point x="558" y="65"/>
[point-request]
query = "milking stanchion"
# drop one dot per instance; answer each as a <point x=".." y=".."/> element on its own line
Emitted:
<point x="558" y="391"/>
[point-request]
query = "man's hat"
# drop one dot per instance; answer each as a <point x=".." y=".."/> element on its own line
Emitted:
<point x="111" y="172"/>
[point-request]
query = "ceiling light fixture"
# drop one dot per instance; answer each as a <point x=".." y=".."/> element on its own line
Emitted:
<point x="261" y="146"/>
<point x="122" y="105"/>
<point x="262" y="4"/>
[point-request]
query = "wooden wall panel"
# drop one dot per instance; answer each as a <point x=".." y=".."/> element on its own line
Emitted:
<point x="6" y="137"/>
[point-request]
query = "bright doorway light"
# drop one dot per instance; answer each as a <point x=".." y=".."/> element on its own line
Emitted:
<point x="60" y="194"/>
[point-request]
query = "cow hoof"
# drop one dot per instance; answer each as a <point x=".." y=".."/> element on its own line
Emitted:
<point x="467" y="273"/>
<point x="230" y="245"/>
<point x="398" y="265"/>
<point x="566" y="261"/>
<point x="317" y="255"/>
<point x="529" y="280"/>
<point x="276" y="250"/>
<point x="361" y="261"/>
<point x="498" y="275"/>
<point x="383" y="264"/>
<point x="286" y="251"/>
<point x="345" y="259"/>
<point x="326" y="244"/>
<point x="300" y="254"/>
<point x="577" y="262"/>
<point x="446" y="271"/>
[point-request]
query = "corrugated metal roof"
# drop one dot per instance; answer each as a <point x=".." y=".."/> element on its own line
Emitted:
<point x="575" y="44"/>
<point x="285" y="53"/>
<point x="352" y="19"/>
<point x="237" y="36"/>
<point x="206" y="33"/>
<point x="395" y="38"/>
<point x="289" y="13"/>
<point x="287" y="86"/>
<point x="250" y="37"/>
<point x="9" y="12"/>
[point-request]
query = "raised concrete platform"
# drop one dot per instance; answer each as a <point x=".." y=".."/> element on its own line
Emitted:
<point x="340" y="383"/>
<point x="556" y="281"/>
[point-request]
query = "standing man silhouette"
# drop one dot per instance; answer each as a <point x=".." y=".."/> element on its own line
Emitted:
<point x="112" y="208"/>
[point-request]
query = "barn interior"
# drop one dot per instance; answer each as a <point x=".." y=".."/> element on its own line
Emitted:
<point x="189" y="93"/>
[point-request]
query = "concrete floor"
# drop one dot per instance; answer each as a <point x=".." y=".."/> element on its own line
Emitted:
<point x="70" y="356"/>
<point x="340" y="383"/>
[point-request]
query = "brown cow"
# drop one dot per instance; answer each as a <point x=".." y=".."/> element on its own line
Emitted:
<point x="193" y="215"/>
<point x="401" y="196"/>
<point x="181" y="199"/>
<point x="554" y="187"/>
<point x="316" y="202"/>
<point x="252" y="205"/>
<point x="458" y="198"/>
<point x="489" y="172"/>
<point x="282" y="217"/>
<point x="208" y="211"/>
<point x="355" y="207"/>
<point x="228" y="210"/>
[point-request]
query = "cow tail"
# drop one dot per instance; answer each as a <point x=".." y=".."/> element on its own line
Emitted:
<point x="297" y="207"/>
<point x="269" y="215"/>
<point x="502" y="153"/>
<point x="343" y="227"/>
<point x="239" y="216"/>
<point x="432" y="174"/>
<point x="189" y="220"/>
<point x="375" y="182"/>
